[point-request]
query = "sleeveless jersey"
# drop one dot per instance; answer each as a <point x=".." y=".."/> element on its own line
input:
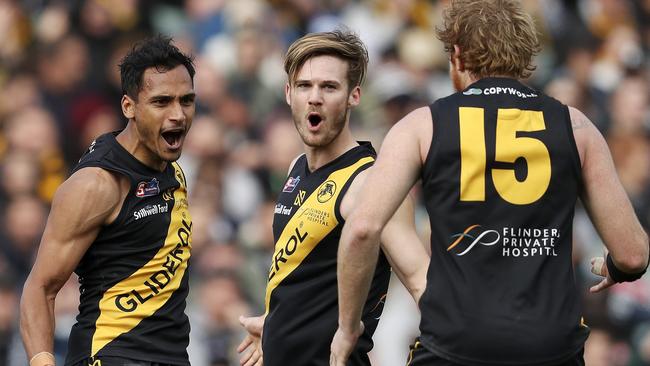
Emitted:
<point x="302" y="293"/>
<point x="134" y="278"/>
<point x="500" y="184"/>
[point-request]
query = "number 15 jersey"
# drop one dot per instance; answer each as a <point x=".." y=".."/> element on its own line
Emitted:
<point x="500" y="185"/>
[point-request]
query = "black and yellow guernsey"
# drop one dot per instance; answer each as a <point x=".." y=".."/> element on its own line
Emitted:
<point x="134" y="278"/>
<point x="301" y="296"/>
<point x="500" y="185"/>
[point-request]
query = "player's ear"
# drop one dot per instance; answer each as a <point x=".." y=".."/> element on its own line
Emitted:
<point x="355" y="96"/>
<point x="287" y="93"/>
<point x="128" y="107"/>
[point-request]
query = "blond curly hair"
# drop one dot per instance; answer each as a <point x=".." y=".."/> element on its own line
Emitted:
<point x="495" y="37"/>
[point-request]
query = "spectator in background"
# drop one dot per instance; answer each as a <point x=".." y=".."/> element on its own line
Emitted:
<point x="9" y="347"/>
<point x="24" y="220"/>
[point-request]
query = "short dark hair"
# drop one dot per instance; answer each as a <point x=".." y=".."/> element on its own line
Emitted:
<point x="158" y="52"/>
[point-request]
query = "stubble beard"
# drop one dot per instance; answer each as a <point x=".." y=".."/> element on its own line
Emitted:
<point x="152" y="144"/>
<point x="328" y="137"/>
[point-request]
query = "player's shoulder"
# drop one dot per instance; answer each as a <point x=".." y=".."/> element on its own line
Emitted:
<point x="91" y="185"/>
<point x="415" y="119"/>
<point x="293" y="163"/>
<point x="98" y="148"/>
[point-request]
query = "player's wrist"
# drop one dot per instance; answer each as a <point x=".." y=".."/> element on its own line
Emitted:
<point x="351" y="329"/>
<point x="347" y="328"/>
<point x="618" y="275"/>
<point x="42" y="359"/>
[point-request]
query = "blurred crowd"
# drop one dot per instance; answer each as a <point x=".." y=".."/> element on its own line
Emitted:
<point x="60" y="88"/>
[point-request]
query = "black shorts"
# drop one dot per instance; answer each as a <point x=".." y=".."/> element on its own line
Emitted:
<point x="116" y="361"/>
<point x="420" y="356"/>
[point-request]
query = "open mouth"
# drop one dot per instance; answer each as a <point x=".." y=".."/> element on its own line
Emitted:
<point x="173" y="138"/>
<point x="314" y="119"/>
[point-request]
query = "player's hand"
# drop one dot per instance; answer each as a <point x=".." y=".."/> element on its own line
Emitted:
<point x="252" y="342"/>
<point x="599" y="268"/>
<point x="343" y="344"/>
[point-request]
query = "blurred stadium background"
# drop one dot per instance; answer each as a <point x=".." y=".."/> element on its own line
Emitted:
<point x="59" y="88"/>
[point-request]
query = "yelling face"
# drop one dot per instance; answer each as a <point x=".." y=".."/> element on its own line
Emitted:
<point x="162" y="114"/>
<point x="320" y="99"/>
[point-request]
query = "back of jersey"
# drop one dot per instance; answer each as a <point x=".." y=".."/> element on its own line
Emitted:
<point x="500" y="184"/>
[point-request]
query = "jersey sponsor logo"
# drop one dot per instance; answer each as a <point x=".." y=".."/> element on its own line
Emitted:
<point x="281" y="209"/>
<point x="300" y="198"/>
<point x="473" y="91"/>
<point x="148" y="189"/>
<point x="129" y="301"/>
<point x="496" y="90"/>
<point x="149" y="210"/>
<point x="475" y="239"/>
<point x="314" y="215"/>
<point x="515" y="242"/>
<point x="326" y="191"/>
<point x="290" y="246"/>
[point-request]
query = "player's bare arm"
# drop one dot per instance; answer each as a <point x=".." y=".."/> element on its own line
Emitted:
<point x="89" y="199"/>
<point x="399" y="240"/>
<point x="607" y="204"/>
<point x="394" y="173"/>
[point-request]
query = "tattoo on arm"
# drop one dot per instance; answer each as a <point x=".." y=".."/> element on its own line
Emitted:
<point x="580" y="122"/>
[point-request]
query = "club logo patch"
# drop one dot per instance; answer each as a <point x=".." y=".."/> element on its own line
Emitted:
<point x="326" y="191"/>
<point x="148" y="189"/>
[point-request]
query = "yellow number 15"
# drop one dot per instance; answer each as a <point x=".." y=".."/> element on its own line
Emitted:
<point x="508" y="149"/>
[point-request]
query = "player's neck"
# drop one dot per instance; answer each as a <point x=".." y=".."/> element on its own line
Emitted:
<point x="133" y="144"/>
<point x="319" y="156"/>
<point x="470" y="79"/>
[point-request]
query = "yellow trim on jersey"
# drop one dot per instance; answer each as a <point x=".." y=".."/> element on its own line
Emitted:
<point x="137" y="297"/>
<point x="411" y="352"/>
<point x="308" y="226"/>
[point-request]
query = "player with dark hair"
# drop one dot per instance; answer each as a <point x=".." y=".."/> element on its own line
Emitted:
<point x="325" y="72"/>
<point x="121" y="223"/>
<point x="502" y="166"/>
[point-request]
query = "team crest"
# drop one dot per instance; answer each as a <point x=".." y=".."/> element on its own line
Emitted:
<point x="148" y="189"/>
<point x="326" y="191"/>
<point x="291" y="184"/>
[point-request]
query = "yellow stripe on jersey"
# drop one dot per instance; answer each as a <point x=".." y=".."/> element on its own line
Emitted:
<point x="411" y="352"/>
<point x="137" y="297"/>
<point x="309" y="225"/>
